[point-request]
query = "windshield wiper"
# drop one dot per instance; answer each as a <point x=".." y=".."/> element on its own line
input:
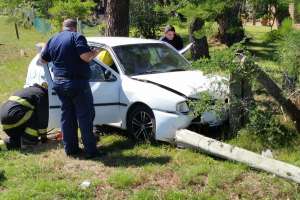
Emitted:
<point x="149" y="72"/>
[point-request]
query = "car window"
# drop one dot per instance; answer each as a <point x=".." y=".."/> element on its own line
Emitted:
<point x="105" y="57"/>
<point x="97" y="72"/>
<point x="150" y="58"/>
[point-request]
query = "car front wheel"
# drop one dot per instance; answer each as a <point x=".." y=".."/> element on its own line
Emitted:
<point x="141" y="123"/>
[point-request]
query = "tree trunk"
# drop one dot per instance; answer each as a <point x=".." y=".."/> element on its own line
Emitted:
<point x="240" y="99"/>
<point x="254" y="16"/>
<point x="272" y="88"/>
<point x="230" y="25"/>
<point x="281" y="12"/>
<point x="200" y="46"/>
<point x="117" y="12"/>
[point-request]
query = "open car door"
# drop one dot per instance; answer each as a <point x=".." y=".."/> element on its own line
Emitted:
<point x="185" y="49"/>
<point x="54" y="102"/>
<point x="105" y="87"/>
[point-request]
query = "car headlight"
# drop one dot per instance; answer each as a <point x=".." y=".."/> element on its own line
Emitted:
<point x="182" y="107"/>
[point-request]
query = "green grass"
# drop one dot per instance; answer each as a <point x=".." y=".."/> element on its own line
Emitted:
<point x="129" y="171"/>
<point x="264" y="52"/>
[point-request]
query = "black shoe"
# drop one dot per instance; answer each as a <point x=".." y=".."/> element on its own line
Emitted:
<point x="12" y="144"/>
<point x="97" y="154"/>
<point x="78" y="152"/>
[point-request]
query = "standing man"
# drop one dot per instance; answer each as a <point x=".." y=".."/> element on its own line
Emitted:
<point x="70" y="54"/>
<point x="172" y="38"/>
<point x="24" y="117"/>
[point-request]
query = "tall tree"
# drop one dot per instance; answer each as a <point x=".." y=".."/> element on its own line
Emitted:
<point x="117" y="13"/>
<point x="230" y="24"/>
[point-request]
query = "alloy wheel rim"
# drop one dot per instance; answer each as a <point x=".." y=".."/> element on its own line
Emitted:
<point x="142" y="126"/>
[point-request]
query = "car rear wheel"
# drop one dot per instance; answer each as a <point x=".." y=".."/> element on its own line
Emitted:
<point x="141" y="123"/>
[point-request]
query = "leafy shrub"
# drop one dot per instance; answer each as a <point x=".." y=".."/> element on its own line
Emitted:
<point x="289" y="53"/>
<point x="145" y="18"/>
<point x="70" y="9"/>
<point x="273" y="36"/>
<point x="268" y="129"/>
<point x="279" y="35"/>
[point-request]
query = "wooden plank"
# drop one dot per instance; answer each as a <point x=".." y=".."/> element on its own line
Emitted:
<point x="211" y="146"/>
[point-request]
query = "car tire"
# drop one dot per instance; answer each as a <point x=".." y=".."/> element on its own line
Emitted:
<point x="141" y="123"/>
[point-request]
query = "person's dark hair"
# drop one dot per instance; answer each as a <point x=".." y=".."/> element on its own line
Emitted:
<point x="169" y="28"/>
<point x="69" y="23"/>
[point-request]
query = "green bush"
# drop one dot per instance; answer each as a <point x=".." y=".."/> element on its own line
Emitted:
<point x="268" y="129"/>
<point x="279" y="35"/>
<point x="145" y="18"/>
<point x="289" y="53"/>
<point x="70" y="9"/>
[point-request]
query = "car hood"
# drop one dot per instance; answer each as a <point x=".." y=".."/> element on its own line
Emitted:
<point x="189" y="83"/>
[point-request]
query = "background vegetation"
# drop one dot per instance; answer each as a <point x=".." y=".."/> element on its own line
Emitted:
<point x="160" y="171"/>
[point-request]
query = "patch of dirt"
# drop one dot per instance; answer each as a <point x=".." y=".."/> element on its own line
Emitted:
<point x="163" y="180"/>
<point x="199" y="186"/>
<point x="106" y="192"/>
<point x="253" y="186"/>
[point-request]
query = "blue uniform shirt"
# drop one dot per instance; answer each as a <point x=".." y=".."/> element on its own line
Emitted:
<point x="64" y="50"/>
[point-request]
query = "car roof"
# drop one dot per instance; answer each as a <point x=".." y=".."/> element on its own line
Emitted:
<point x="119" y="41"/>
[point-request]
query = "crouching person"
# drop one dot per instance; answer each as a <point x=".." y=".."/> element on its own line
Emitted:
<point x="24" y="117"/>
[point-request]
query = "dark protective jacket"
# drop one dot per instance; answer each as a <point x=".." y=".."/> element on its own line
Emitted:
<point x="29" y="106"/>
<point x="177" y="42"/>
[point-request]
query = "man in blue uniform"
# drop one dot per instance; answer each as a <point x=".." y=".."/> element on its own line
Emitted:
<point x="70" y="54"/>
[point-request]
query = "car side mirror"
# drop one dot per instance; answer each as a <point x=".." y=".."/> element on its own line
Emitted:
<point x="109" y="76"/>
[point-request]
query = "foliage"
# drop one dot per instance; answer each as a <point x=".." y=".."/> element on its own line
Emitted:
<point x="279" y="34"/>
<point x="47" y="173"/>
<point x="19" y="12"/>
<point x="268" y="129"/>
<point x="264" y="124"/>
<point x="207" y="103"/>
<point x="225" y="13"/>
<point x="42" y="7"/>
<point x="70" y="9"/>
<point x="228" y="61"/>
<point x="145" y="18"/>
<point x="289" y="53"/>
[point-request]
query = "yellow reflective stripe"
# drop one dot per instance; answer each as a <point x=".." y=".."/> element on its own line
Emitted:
<point x="21" y="101"/>
<point x="2" y="145"/>
<point x="42" y="131"/>
<point x="32" y="132"/>
<point x="24" y="119"/>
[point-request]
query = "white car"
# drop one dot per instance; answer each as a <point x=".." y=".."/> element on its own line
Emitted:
<point x="145" y="92"/>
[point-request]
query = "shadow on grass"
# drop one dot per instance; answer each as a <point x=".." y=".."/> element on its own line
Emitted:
<point x="46" y="147"/>
<point x="116" y="158"/>
<point x="262" y="50"/>
<point x="2" y="176"/>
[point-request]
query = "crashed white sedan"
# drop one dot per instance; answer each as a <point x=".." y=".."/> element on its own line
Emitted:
<point x="146" y="91"/>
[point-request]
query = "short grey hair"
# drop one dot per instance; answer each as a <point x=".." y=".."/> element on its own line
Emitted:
<point x="69" y="24"/>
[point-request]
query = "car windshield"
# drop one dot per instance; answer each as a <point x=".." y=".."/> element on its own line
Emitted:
<point x="150" y="58"/>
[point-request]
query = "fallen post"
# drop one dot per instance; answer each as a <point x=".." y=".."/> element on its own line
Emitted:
<point x="186" y="138"/>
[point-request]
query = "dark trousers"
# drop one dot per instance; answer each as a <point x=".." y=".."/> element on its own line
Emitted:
<point x="77" y="109"/>
<point x="16" y="134"/>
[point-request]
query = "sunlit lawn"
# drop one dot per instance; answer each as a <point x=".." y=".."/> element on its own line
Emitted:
<point x="129" y="171"/>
